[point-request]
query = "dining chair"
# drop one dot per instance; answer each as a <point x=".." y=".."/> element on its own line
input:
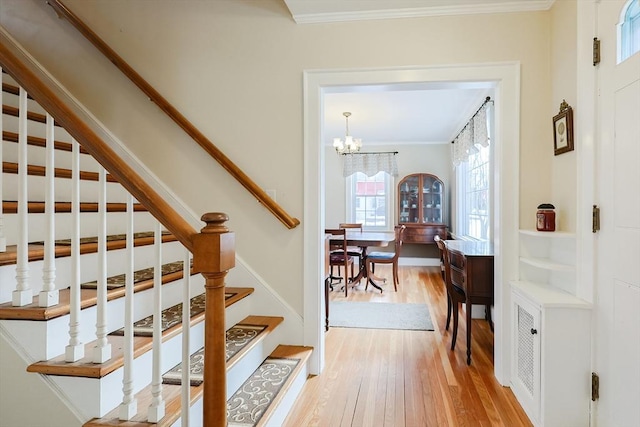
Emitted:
<point x="338" y="256"/>
<point x="353" y="251"/>
<point x="440" y="244"/>
<point x="374" y="258"/>
<point x="455" y="294"/>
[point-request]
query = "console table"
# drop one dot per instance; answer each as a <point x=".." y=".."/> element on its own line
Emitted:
<point x="472" y="270"/>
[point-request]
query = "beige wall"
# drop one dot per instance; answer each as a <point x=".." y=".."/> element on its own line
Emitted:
<point x="234" y="68"/>
<point x="563" y="86"/>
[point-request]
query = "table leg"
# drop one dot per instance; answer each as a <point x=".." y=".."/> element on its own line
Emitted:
<point x="469" y="310"/>
<point x="327" y="283"/>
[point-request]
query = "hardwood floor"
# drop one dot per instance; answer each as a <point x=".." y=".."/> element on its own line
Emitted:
<point x="376" y="377"/>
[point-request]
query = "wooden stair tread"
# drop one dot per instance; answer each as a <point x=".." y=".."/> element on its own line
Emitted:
<point x="11" y="207"/>
<point x="85" y="366"/>
<point x="40" y="142"/>
<point x="172" y="397"/>
<point x="88" y="298"/>
<point x="36" y="170"/>
<point x="14" y="111"/>
<point x="88" y="245"/>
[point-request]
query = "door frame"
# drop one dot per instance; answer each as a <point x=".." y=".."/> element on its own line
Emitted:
<point x="506" y="76"/>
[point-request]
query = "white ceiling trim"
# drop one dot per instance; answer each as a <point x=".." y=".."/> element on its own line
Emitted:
<point x="467" y="9"/>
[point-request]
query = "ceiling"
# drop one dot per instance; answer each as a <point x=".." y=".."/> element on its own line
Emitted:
<point x="424" y="113"/>
<point x="314" y="11"/>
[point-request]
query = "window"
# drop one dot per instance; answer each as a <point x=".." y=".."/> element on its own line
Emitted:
<point x="473" y="189"/>
<point x="629" y="31"/>
<point x="369" y="200"/>
<point x="474" y="195"/>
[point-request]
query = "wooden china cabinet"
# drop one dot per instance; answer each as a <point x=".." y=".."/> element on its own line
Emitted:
<point x="421" y="207"/>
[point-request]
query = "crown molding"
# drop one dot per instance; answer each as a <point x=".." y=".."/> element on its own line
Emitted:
<point x="467" y="9"/>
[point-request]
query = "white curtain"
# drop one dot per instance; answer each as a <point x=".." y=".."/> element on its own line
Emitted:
<point x="476" y="132"/>
<point x="370" y="164"/>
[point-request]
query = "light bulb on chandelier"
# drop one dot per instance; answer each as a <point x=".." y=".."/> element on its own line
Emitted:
<point x="350" y="144"/>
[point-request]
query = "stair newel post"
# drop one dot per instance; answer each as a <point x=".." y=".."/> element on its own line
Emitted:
<point x="213" y="256"/>
<point x="102" y="350"/>
<point x="23" y="294"/>
<point x="48" y="296"/>
<point x="74" y="351"/>
<point x="3" y="239"/>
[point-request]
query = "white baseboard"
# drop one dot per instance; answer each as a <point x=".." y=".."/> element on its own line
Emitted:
<point x="421" y="262"/>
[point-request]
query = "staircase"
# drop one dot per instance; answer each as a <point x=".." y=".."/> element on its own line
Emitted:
<point x="86" y="269"/>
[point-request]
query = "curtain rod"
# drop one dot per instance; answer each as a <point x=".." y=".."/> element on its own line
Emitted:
<point x="487" y="99"/>
<point x="373" y="152"/>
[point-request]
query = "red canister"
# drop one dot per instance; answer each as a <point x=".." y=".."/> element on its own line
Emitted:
<point x="546" y="217"/>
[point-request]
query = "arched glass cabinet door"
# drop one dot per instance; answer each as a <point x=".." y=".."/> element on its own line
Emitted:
<point x="421" y="204"/>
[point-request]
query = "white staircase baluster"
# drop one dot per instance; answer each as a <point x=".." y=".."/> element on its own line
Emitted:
<point x="74" y="351"/>
<point x="186" y="332"/>
<point x="102" y="350"/>
<point x="49" y="295"/>
<point x="23" y="294"/>
<point x="129" y="405"/>
<point x="3" y="239"/>
<point x="157" y="406"/>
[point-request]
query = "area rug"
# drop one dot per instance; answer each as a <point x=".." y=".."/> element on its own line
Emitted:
<point x="374" y="315"/>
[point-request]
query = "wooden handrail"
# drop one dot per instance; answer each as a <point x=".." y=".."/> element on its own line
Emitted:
<point x="95" y="146"/>
<point x="64" y="12"/>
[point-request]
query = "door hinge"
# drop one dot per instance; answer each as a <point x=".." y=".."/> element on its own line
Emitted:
<point x="595" y="386"/>
<point x="596" y="51"/>
<point x="595" y="219"/>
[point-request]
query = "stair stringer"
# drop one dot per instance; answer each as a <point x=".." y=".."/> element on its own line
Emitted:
<point x="20" y="389"/>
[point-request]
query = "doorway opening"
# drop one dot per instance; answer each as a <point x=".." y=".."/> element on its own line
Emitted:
<point x="505" y="77"/>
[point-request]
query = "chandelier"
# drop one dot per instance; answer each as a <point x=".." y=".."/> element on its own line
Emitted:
<point x="350" y="144"/>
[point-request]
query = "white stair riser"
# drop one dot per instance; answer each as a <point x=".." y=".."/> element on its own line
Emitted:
<point x="36" y="189"/>
<point x="44" y="340"/>
<point x="34" y="128"/>
<point x="97" y="401"/>
<point x="116" y="263"/>
<point x="12" y="100"/>
<point x="89" y="223"/>
<point x="37" y="156"/>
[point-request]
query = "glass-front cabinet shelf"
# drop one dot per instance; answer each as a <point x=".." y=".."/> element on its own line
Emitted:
<point x="421" y="201"/>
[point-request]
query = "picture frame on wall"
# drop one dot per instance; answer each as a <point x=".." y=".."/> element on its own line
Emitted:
<point x="563" y="129"/>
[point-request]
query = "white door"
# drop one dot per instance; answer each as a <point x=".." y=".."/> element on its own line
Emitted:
<point x="617" y="309"/>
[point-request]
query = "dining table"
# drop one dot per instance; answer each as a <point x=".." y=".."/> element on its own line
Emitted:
<point x="364" y="240"/>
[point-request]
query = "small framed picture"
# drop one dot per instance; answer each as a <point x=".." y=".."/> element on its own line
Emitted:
<point x="563" y="129"/>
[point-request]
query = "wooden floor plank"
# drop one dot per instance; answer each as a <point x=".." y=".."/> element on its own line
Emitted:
<point x="420" y="381"/>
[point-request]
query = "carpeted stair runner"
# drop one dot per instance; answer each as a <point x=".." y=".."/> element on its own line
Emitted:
<point x="171" y="316"/>
<point x="252" y="400"/>
<point x="110" y="238"/>
<point x="237" y="338"/>
<point x="118" y="281"/>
